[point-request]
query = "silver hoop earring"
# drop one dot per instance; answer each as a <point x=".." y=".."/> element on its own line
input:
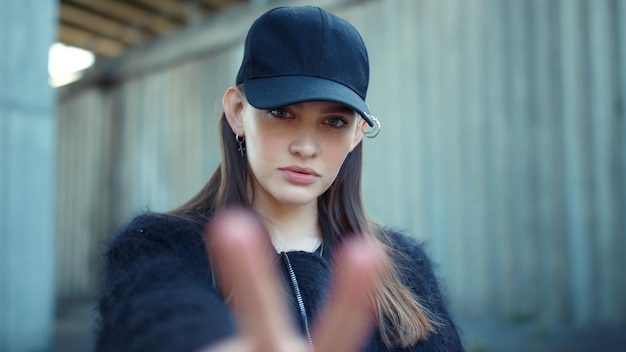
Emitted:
<point x="371" y="131"/>
<point x="240" y="140"/>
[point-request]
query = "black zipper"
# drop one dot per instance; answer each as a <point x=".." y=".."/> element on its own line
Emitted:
<point x="296" y="289"/>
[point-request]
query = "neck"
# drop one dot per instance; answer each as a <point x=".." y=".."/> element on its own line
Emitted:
<point x="291" y="228"/>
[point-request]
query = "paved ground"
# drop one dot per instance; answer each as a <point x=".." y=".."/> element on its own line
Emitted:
<point x="496" y="336"/>
<point x="75" y="325"/>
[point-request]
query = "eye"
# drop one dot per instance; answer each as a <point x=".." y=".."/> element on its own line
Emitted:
<point x="281" y="113"/>
<point x="336" y="122"/>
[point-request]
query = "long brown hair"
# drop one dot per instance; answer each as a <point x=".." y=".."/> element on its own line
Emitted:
<point x="402" y="319"/>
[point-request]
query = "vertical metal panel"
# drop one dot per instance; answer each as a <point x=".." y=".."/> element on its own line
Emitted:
<point x="472" y="110"/>
<point x="517" y="170"/>
<point x="604" y="152"/>
<point x="620" y="245"/>
<point x="577" y="158"/>
<point x="496" y="157"/>
<point x="447" y="139"/>
<point x="83" y="189"/>
<point x="547" y="122"/>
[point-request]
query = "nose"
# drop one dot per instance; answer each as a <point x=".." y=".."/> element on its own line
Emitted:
<point x="305" y="143"/>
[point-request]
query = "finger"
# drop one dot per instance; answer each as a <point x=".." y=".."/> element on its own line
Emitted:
<point x="348" y="316"/>
<point x="244" y="260"/>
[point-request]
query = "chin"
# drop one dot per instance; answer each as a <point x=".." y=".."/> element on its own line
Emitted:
<point x="296" y="202"/>
<point x="297" y="198"/>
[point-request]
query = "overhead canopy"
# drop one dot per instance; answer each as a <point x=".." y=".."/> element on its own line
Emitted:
<point x="109" y="27"/>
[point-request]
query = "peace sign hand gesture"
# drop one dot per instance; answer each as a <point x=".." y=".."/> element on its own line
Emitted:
<point x="242" y="254"/>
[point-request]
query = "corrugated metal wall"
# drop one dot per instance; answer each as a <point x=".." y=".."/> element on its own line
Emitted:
<point x="167" y="146"/>
<point x="83" y="217"/>
<point x="503" y="145"/>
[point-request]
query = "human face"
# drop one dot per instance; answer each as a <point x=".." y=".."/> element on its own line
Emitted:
<point x="295" y="152"/>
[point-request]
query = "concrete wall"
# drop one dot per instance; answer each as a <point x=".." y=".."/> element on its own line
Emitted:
<point x="27" y="174"/>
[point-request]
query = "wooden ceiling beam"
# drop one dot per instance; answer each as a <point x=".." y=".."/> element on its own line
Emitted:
<point x="89" y="41"/>
<point x="130" y="14"/>
<point x="173" y="9"/>
<point x="219" y="4"/>
<point x="110" y="27"/>
<point x="98" y="24"/>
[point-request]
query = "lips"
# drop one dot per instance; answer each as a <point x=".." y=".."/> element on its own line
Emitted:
<point x="299" y="175"/>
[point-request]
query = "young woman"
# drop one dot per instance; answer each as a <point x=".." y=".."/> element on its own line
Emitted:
<point x="275" y="253"/>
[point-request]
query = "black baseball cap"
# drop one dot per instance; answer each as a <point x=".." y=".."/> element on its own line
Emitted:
<point x="298" y="54"/>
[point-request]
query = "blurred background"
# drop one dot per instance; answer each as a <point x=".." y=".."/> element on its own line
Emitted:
<point x="503" y="147"/>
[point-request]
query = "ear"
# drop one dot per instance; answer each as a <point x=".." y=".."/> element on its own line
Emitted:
<point x="233" y="104"/>
<point x="358" y="134"/>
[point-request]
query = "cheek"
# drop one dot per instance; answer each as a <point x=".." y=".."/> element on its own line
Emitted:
<point x="336" y="155"/>
<point x="262" y="152"/>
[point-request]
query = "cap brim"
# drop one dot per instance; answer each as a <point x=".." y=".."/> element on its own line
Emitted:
<point x="274" y="92"/>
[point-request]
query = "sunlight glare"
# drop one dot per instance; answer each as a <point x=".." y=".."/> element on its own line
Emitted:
<point x="67" y="64"/>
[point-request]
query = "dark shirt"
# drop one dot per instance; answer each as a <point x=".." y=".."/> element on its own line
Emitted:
<point x="159" y="293"/>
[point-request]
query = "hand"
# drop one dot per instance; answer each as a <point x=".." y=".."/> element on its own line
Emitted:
<point x="243" y="257"/>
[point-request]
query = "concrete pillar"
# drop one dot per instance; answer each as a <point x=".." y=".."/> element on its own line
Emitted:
<point x="27" y="169"/>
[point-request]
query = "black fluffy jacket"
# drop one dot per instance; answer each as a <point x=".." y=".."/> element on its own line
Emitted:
<point x="159" y="293"/>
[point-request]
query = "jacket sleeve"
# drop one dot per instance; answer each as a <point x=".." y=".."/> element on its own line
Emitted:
<point x="417" y="272"/>
<point x="158" y="293"/>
